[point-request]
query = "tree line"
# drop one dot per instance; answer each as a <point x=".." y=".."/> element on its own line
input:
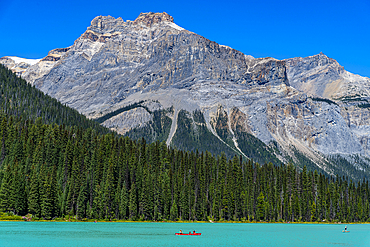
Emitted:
<point x="50" y="170"/>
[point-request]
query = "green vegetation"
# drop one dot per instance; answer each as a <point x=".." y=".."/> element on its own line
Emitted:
<point x="255" y="149"/>
<point x="57" y="171"/>
<point x="157" y="129"/>
<point x="9" y="216"/>
<point x="222" y="128"/>
<point x="364" y="105"/>
<point x="120" y="110"/>
<point x="192" y="134"/>
<point x="355" y="97"/>
<point x="341" y="166"/>
<point x="334" y="164"/>
<point x="18" y="98"/>
<point x="323" y="100"/>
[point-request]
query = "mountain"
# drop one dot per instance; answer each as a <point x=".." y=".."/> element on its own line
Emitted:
<point x="151" y="78"/>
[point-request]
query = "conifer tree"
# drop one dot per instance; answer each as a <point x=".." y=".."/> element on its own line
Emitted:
<point x="109" y="191"/>
<point x="117" y="199"/>
<point x="6" y="200"/>
<point x="46" y="203"/>
<point x="133" y="202"/>
<point x="173" y="211"/>
<point x="34" y="194"/>
<point x="260" y="206"/>
<point x="98" y="204"/>
<point x="313" y="212"/>
<point x="123" y="202"/>
<point x="3" y="136"/>
<point x="81" y="202"/>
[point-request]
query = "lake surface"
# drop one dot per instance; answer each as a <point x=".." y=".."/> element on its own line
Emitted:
<point x="162" y="234"/>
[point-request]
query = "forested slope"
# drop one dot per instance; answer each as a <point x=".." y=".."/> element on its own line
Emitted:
<point x="53" y="171"/>
<point x="18" y="98"/>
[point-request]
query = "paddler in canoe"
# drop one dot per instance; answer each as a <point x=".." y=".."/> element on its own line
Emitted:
<point x="190" y="233"/>
<point x="345" y="229"/>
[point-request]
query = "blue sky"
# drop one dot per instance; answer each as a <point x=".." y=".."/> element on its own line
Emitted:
<point x="280" y="29"/>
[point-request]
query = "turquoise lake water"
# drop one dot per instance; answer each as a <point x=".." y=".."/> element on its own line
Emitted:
<point x="162" y="234"/>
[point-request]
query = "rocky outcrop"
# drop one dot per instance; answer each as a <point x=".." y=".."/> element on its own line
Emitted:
<point x="322" y="76"/>
<point x="148" y="19"/>
<point x="128" y="120"/>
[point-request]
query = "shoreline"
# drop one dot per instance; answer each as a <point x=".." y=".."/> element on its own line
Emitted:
<point x="218" y="222"/>
<point x="29" y="218"/>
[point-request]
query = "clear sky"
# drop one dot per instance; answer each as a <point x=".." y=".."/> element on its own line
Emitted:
<point x="261" y="28"/>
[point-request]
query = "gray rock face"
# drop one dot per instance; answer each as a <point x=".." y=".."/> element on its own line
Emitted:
<point x="116" y="63"/>
<point x="127" y="120"/>
<point x="322" y="76"/>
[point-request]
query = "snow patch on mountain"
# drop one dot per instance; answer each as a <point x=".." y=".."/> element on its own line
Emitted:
<point x="173" y="25"/>
<point x="24" y="60"/>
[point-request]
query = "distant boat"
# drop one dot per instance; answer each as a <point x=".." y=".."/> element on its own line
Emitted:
<point x="190" y="233"/>
<point x="345" y="231"/>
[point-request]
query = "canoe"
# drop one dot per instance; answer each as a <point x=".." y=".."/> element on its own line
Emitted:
<point x="345" y="231"/>
<point x="179" y="233"/>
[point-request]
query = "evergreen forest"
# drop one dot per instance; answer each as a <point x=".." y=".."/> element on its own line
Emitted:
<point x="53" y="171"/>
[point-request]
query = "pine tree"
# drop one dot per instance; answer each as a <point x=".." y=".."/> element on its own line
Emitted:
<point x="46" y="203"/>
<point x="3" y="136"/>
<point x="313" y="212"/>
<point x="6" y="198"/>
<point x="81" y="202"/>
<point x="34" y="194"/>
<point x="133" y="203"/>
<point x="109" y="192"/>
<point x="173" y="211"/>
<point x="260" y="206"/>
<point x="20" y="202"/>
<point x="98" y="204"/>
<point x="146" y="197"/>
<point x="123" y="202"/>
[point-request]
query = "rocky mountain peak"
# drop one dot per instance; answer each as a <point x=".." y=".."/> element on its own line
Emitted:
<point x="103" y="24"/>
<point x="150" y="18"/>
<point x="314" y="61"/>
<point x="109" y="24"/>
